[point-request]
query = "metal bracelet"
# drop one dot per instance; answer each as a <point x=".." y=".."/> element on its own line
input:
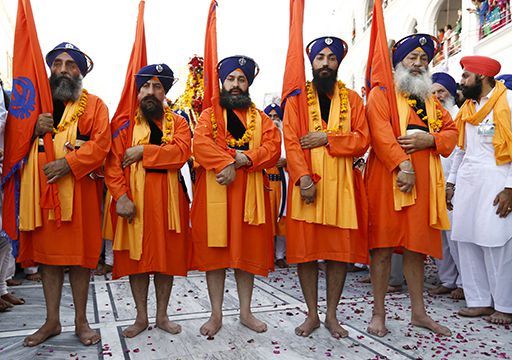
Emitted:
<point x="408" y="172"/>
<point x="309" y="186"/>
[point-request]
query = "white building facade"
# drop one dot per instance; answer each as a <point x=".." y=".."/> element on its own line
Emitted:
<point x="404" y="17"/>
<point x="6" y="45"/>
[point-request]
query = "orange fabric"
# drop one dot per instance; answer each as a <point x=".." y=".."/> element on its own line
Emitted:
<point x="77" y="242"/>
<point x="378" y="68"/>
<point x="250" y="247"/>
<point x="30" y="79"/>
<point x="408" y="228"/>
<point x="306" y="241"/>
<point x="294" y="85"/>
<point x="163" y="250"/>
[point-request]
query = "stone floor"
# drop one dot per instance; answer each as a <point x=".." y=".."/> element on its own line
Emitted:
<point x="277" y="300"/>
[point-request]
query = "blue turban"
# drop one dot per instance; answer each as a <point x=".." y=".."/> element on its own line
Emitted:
<point x="447" y="81"/>
<point x="506" y="79"/>
<point x="244" y="63"/>
<point x="276" y="108"/>
<point x="403" y="47"/>
<point x="161" y="71"/>
<point x="82" y="60"/>
<point x="336" y="45"/>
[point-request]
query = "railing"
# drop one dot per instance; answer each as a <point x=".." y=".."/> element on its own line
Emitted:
<point x="494" y="20"/>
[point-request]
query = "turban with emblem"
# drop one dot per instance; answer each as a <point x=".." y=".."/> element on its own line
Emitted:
<point x="82" y="60"/>
<point x="336" y="45"/>
<point x="160" y="71"/>
<point x="402" y="48"/>
<point x="276" y="108"/>
<point x="247" y="65"/>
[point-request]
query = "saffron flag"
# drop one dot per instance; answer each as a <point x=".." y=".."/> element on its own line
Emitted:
<point x="31" y="96"/>
<point x="211" y="74"/>
<point x="124" y="117"/>
<point x="378" y="69"/>
<point x="294" y="82"/>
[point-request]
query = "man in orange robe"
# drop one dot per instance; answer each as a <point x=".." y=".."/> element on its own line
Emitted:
<point x="231" y="218"/>
<point x="278" y="182"/>
<point x="81" y="140"/>
<point x="406" y="188"/>
<point x="326" y="217"/>
<point x="151" y="232"/>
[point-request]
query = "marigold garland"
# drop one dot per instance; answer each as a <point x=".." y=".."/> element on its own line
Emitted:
<point x="82" y="104"/>
<point x="167" y="126"/>
<point x="312" y="102"/>
<point x="434" y="125"/>
<point x="249" y="131"/>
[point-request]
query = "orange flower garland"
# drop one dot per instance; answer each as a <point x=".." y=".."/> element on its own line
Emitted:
<point x="249" y="131"/>
<point x="167" y="127"/>
<point x="82" y="104"/>
<point x="317" y="123"/>
<point x="436" y="124"/>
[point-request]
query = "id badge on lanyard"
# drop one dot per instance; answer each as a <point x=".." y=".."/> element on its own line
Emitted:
<point x="486" y="131"/>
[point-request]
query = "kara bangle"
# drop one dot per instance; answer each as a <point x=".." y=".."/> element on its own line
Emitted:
<point x="309" y="186"/>
<point x="408" y="172"/>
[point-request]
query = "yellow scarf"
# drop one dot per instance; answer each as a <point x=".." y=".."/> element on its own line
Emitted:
<point x="30" y="210"/>
<point x="335" y="203"/>
<point x="438" y="214"/>
<point x="216" y="197"/>
<point x="129" y="236"/>
<point x="502" y="139"/>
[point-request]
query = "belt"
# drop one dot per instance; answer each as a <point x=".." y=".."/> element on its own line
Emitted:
<point x="68" y="146"/>
<point x="274" y="177"/>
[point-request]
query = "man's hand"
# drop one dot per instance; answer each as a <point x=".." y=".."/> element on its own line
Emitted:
<point x="132" y="155"/>
<point x="307" y="189"/>
<point x="1" y="155"/>
<point x="126" y="208"/>
<point x="406" y="178"/>
<point x="56" y="169"/>
<point x="416" y="142"/>
<point x="504" y="202"/>
<point x="241" y="160"/>
<point x="227" y="175"/>
<point x="450" y="191"/>
<point x="281" y="163"/>
<point x="313" y="140"/>
<point x="44" y="124"/>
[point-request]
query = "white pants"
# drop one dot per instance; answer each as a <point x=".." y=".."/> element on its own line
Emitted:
<point x="31" y="270"/>
<point x="280" y="242"/>
<point x="448" y="268"/>
<point x="6" y="264"/>
<point x="109" y="253"/>
<point x="487" y="275"/>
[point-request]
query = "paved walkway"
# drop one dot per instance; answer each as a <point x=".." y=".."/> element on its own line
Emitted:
<point x="277" y="300"/>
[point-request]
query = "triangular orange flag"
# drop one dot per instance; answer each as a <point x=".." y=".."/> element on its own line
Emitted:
<point x="31" y="96"/>
<point x="378" y="69"/>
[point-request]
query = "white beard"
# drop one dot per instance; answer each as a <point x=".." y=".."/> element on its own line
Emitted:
<point x="448" y="103"/>
<point x="418" y="86"/>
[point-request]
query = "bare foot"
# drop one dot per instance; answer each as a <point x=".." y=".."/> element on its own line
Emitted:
<point x="281" y="263"/>
<point x="212" y="326"/>
<point x="33" y="277"/>
<point x="377" y="326"/>
<point x="4" y="305"/>
<point x="87" y="335"/>
<point x="100" y="270"/>
<point x="475" y="311"/>
<point x="166" y="325"/>
<point x="13" y="299"/>
<point x="365" y="280"/>
<point x="135" y="329"/>
<point x="440" y="290"/>
<point x="394" y="289"/>
<point x="308" y="326"/>
<point x="499" y="318"/>
<point x="457" y="294"/>
<point x="13" y="282"/>
<point x="252" y="323"/>
<point x="337" y="331"/>
<point x="45" y="332"/>
<point x="427" y="323"/>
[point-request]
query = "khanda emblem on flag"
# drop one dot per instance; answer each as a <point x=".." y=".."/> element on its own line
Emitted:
<point x="23" y="98"/>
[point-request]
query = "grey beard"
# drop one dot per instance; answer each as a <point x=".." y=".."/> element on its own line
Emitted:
<point x="448" y="103"/>
<point x="418" y="86"/>
<point x="66" y="89"/>
<point x="228" y="101"/>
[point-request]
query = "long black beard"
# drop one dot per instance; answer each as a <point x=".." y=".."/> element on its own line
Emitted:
<point x="152" y="108"/>
<point x="239" y="101"/>
<point x="472" y="92"/>
<point x="65" y="88"/>
<point x="324" y="84"/>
